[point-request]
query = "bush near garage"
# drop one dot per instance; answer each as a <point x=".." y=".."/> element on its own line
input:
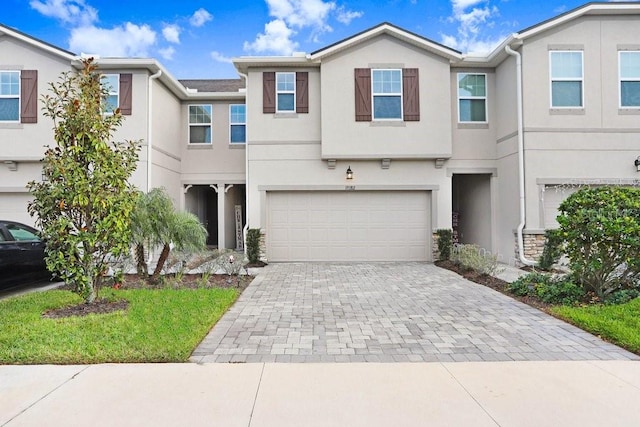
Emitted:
<point x="600" y="232"/>
<point x="550" y="289"/>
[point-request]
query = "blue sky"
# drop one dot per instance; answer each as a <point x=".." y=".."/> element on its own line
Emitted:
<point x="197" y="39"/>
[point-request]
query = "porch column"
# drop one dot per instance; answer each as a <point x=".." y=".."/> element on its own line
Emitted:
<point x="219" y="189"/>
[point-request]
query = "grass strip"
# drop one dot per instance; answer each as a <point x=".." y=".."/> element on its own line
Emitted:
<point x="160" y="325"/>
<point x="619" y="324"/>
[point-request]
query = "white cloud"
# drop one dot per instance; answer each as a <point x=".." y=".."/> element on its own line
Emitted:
<point x="290" y="17"/>
<point x="171" y="33"/>
<point x="200" y="17"/>
<point x="346" y="16"/>
<point x="75" y="12"/>
<point x="167" y="53"/>
<point x="130" y="40"/>
<point x="217" y="56"/>
<point x="275" y="39"/>
<point x="472" y="17"/>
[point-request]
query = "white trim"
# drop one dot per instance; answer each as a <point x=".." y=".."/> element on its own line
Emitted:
<point x="471" y="98"/>
<point x="113" y="91"/>
<point x="17" y="96"/>
<point x="388" y="95"/>
<point x="566" y="79"/>
<point x="627" y="79"/>
<point x="286" y="92"/>
<point x="232" y="123"/>
<point x="210" y="143"/>
<point x="393" y="31"/>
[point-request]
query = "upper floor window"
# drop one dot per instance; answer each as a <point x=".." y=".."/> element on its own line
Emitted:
<point x="566" y="79"/>
<point x="472" y="97"/>
<point x="200" y="124"/>
<point x="9" y="96"/>
<point x="238" y="123"/>
<point x="387" y="94"/>
<point x="629" y="65"/>
<point x="111" y="83"/>
<point x="286" y="92"/>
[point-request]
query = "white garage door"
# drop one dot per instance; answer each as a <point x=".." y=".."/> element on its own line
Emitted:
<point x="13" y="207"/>
<point x="349" y="226"/>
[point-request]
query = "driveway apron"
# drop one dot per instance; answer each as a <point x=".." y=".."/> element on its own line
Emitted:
<point x="388" y="312"/>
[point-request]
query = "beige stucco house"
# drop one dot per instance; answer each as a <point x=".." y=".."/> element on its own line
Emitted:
<point x="362" y="149"/>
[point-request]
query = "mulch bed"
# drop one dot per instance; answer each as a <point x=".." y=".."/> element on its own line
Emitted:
<point x="491" y="282"/>
<point x="132" y="281"/>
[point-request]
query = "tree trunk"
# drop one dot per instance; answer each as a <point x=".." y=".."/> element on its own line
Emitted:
<point x="141" y="265"/>
<point x="161" y="261"/>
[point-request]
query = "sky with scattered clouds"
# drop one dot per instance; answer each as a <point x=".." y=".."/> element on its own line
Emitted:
<point x="197" y="39"/>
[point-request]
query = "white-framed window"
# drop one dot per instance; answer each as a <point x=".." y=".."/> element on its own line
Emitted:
<point x="472" y="98"/>
<point x="200" y="124"/>
<point x="237" y="123"/>
<point x="387" y="94"/>
<point x="111" y="82"/>
<point x="567" y="80"/>
<point x="629" y="72"/>
<point x="285" y="92"/>
<point x="9" y="96"/>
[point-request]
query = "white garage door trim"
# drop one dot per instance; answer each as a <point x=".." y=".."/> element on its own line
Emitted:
<point x="348" y="225"/>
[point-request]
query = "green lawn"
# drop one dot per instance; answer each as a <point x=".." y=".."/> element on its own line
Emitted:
<point x="619" y="324"/>
<point x="163" y="325"/>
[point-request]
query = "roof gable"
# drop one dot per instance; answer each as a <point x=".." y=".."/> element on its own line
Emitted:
<point x="393" y="31"/>
<point x="19" y="35"/>
<point x="599" y="8"/>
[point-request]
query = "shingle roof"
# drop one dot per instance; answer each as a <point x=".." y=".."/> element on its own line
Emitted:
<point x="214" y="85"/>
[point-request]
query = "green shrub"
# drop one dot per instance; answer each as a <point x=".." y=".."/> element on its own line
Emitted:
<point x="559" y="291"/>
<point x="552" y="250"/>
<point x="445" y="243"/>
<point x="600" y="229"/>
<point x="475" y="258"/>
<point x="547" y="288"/>
<point x="622" y="296"/>
<point x="525" y="285"/>
<point x="253" y="245"/>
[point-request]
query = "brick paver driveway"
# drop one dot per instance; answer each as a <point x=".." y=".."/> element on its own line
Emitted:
<point x="387" y="312"/>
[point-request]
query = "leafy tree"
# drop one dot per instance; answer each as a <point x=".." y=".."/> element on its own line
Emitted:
<point x="84" y="203"/>
<point x="157" y="223"/>
<point x="600" y="229"/>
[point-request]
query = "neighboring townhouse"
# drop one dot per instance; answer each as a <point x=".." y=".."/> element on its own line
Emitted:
<point x="361" y="150"/>
<point x="192" y="133"/>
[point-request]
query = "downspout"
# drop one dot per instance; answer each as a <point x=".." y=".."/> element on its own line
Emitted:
<point x="150" y="128"/>
<point x="245" y="229"/>
<point x="523" y="213"/>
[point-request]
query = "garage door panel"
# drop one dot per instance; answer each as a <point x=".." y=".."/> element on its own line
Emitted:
<point x="349" y="226"/>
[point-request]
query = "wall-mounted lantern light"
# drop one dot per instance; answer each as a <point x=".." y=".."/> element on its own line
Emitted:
<point x="637" y="163"/>
<point x="349" y="173"/>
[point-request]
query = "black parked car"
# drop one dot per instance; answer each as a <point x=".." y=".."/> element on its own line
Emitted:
<point x="21" y="255"/>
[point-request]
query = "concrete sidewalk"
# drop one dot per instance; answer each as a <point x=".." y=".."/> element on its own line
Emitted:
<point x="583" y="393"/>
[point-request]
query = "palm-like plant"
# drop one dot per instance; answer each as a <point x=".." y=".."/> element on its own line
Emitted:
<point x="156" y="223"/>
<point x="185" y="232"/>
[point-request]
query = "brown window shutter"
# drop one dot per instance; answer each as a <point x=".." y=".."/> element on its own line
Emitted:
<point x="410" y="95"/>
<point x="363" y="94"/>
<point x="302" y="92"/>
<point x="269" y="92"/>
<point x="29" y="96"/>
<point x="126" y="83"/>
